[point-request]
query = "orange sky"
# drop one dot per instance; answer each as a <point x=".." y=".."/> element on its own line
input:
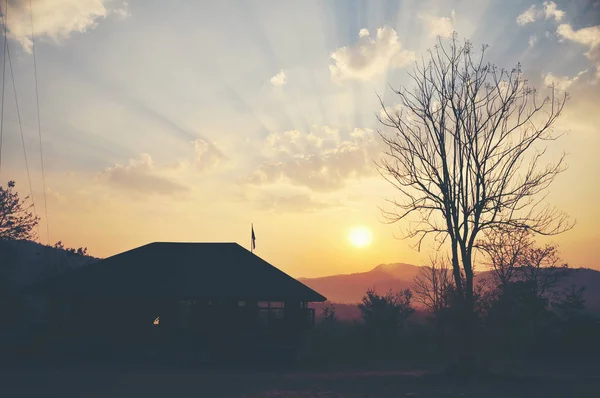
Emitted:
<point x="189" y="122"/>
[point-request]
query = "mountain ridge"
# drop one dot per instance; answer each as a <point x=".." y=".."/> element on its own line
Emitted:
<point x="350" y="288"/>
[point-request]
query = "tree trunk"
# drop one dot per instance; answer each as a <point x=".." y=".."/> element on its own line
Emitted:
<point x="465" y="366"/>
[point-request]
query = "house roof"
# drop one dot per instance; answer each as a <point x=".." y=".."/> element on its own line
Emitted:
<point x="208" y="270"/>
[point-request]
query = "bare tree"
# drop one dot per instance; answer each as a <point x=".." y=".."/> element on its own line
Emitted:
<point x="505" y="251"/>
<point x="463" y="154"/>
<point x="543" y="268"/>
<point x="16" y="220"/>
<point x="514" y="256"/>
<point x="431" y="285"/>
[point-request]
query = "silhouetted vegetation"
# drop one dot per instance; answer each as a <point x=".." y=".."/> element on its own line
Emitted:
<point x="520" y="313"/>
<point x="16" y="220"/>
<point x="81" y="251"/>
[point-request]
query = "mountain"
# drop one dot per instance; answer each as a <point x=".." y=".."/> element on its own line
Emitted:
<point x="350" y="288"/>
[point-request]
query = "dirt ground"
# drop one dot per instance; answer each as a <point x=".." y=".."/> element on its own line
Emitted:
<point x="179" y="382"/>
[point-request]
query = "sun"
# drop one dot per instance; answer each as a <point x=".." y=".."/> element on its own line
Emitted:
<point x="360" y="236"/>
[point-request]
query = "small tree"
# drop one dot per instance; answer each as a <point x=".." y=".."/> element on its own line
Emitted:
<point x="17" y="222"/>
<point x="543" y="268"/>
<point x="572" y="305"/>
<point x="505" y="251"/>
<point x="328" y="313"/>
<point x="385" y="316"/>
<point x="432" y="284"/>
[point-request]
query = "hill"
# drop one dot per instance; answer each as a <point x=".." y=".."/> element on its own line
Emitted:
<point x="24" y="262"/>
<point x="350" y="288"/>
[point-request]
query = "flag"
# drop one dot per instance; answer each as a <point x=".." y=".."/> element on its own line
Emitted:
<point x="253" y="238"/>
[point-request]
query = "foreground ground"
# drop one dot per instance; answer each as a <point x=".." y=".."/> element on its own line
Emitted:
<point x="179" y="382"/>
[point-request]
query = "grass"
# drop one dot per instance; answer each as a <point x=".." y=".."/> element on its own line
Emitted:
<point x="146" y="381"/>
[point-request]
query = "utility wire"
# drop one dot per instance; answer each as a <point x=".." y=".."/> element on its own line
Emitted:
<point x="22" y="135"/>
<point x="4" y="22"/>
<point x="37" y="102"/>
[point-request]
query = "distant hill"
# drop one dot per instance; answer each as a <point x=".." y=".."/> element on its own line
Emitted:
<point x="350" y="288"/>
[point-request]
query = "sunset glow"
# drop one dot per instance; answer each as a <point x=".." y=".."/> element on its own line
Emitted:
<point x="360" y="236"/>
<point x="188" y="121"/>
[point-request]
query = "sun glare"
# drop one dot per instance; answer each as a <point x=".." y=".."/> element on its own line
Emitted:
<point x="360" y="236"/>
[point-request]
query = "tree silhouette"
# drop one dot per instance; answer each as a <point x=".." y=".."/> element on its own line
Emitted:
<point x="505" y="251"/>
<point x="463" y="152"/>
<point x="431" y="285"/>
<point x="16" y="220"/>
<point x="81" y="251"/>
<point x="385" y="316"/>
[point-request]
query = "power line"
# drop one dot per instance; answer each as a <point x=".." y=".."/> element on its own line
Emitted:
<point x="22" y="135"/>
<point x="4" y="22"/>
<point x="37" y="102"/>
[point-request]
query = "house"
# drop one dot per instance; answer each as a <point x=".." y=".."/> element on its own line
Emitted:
<point x="215" y="298"/>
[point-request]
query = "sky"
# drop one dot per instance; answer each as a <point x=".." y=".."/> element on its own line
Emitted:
<point x="188" y="121"/>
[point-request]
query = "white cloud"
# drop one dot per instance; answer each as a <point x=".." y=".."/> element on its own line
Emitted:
<point x="528" y="16"/>
<point x="549" y="11"/>
<point x="371" y="56"/>
<point x="142" y="176"/>
<point x="393" y="111"/>
<point x="58" y="19"/>
<point x="279" y="79"/>
<point x="561" y="82"/>
<point x="589" y="37"/>
<point x="439" y="26"/>
<point x="282" y="198"/>
<point x="532" y="41"/>
<point x="207" y="156"/>
<point x="318" y="160"/>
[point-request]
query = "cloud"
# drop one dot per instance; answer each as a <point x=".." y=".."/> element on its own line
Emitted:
<point x="57" y="20"/>
<point x="279" y="79"/>
<point x="142" y="176"/>
<point x="549" y="11"/>
<point x="121" y="11"/>
<point x="288" y="198"/>
<point x="561" y="82"/>
<point x="207" y="156"/>
<point x="439" y="26"/>
<point x="393" y="111"/>
<point x="370" y="56"/>
<point x="295" y="202"/>
<point x="528" y="16"/>
<point x="532" y="41"/>
<point x="589" y="37"/>
<point x="318" y="160"/>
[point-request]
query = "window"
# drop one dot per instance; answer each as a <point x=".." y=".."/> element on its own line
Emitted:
<point x="241" y="303"/>
<point x="270" y="304"/>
